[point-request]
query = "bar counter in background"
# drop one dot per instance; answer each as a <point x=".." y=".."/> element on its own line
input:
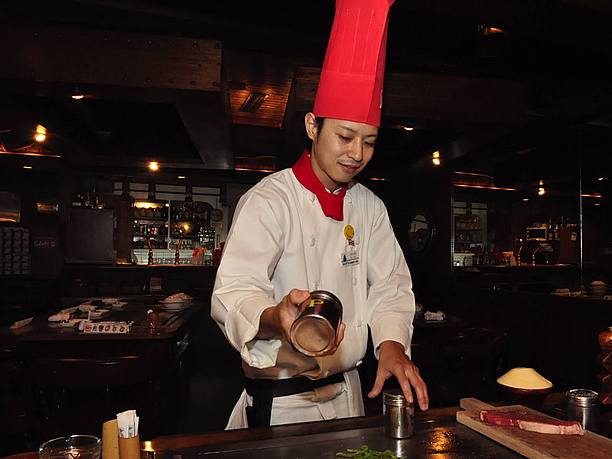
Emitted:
<point x="112" y="280"/>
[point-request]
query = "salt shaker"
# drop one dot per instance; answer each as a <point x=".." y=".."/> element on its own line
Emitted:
<point x="583" y="406"/>
<point x="398" y="414"/>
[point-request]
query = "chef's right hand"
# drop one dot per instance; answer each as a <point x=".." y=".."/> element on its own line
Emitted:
<point x="276" y="321"/>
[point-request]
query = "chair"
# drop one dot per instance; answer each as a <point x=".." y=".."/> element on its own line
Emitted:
<point x="473" y="359"/>
<point x="16" y="420"/>
<point x="76" y="395"/>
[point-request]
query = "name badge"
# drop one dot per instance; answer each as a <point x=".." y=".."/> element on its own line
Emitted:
<point x="350" y="258"/>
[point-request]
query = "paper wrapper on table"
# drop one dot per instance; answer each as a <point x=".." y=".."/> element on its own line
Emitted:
<point x="129" y="448"/>
<point x="110" y="440"/>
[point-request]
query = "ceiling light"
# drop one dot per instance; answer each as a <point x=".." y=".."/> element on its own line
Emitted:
<point x="41" y="133"/>
<point x="27" y="167"/>
<point x="525" y="199"/>
<point x="541" y="191"/>
<point x="408" y="128"/>
<point x="253" y="101"/>
<point x="181" y="177"/>
<point x="596" y="204"/>
<point x="378" y="179"/>
<point x="488" y="30"/>
<point x="435" y="158"/>
<point x="77" y="94"/>
<point x="600" y="179"/>
<point x="153" y="166"/>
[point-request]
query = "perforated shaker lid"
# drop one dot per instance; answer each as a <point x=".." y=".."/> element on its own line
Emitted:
<point x="394" y="397"/>
<point x="583" y="397"/>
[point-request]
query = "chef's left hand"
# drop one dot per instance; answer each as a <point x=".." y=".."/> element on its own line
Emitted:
<point x="393" y="361"/>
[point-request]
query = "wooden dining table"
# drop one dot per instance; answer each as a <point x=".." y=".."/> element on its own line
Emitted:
<point x="64" y="368"/>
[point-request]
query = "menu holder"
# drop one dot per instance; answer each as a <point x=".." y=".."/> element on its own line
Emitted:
<point x="107" y="327"/>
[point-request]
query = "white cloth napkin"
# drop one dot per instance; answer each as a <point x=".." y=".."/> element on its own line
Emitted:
<point x="59" y="317"/>
<point x="127" y="421"/>
<point x="438" y="315"/>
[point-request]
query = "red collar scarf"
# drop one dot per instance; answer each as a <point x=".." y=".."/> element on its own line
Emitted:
<point x="331" y="203"/>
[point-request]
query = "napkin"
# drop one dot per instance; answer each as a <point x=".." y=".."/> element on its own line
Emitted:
<point x="127" y="422"/>
<point x="438" y="315"/>
<point x="21" y="323"/>
<point x="59" y="317"/>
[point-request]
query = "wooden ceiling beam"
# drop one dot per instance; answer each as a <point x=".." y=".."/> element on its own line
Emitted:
<point x="110" y="58"/>
<point x="453" y="99"/>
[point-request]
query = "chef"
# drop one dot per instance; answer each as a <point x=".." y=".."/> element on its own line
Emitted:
<point x="312" y="227"/>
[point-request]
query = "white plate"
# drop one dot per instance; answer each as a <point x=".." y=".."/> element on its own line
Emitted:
<point x="21" y="323"/>
<point x="174" y="306"/>
<point x="97" y="313"/>
<point x="183" y="299"/>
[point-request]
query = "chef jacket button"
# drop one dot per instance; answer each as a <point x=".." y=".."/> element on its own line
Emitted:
<point x="312" y="198"/>
<point x="313" y="241"/>
<point x="349" y="200"/>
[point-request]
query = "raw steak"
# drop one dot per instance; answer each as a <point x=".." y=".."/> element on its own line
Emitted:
<point x="531" y="421"/>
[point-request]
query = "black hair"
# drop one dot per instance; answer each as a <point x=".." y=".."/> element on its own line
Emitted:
<point x="320" y="121"/>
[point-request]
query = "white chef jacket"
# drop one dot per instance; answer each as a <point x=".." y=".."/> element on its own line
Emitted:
<point x="280" y="240"/>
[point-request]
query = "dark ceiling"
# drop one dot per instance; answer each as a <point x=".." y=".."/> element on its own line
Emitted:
<point x="166" y="79"/>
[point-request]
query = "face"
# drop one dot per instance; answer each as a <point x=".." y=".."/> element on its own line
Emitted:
<point x="340" y="149"/>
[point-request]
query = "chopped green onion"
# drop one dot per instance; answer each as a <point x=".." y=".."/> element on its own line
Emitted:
<point x="366" y="453"/>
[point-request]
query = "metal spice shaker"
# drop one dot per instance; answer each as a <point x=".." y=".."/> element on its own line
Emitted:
<point x="583" y="406"/>
<point x="398" y="414"/>
<point x="314" y="332"/>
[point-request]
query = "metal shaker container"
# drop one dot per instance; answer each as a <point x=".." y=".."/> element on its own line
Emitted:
<point x="314" y="331"/>
<point x="398" y="414"/>
<point x="583" y="406"/>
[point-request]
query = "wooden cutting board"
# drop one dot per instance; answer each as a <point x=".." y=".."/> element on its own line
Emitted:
<point x="533" y="444"/>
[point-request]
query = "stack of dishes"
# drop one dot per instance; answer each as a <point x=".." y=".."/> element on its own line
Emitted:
<point x="176" y="302"/>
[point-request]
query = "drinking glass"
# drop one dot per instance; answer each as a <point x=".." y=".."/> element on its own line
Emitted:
<point x="72" y="447"/>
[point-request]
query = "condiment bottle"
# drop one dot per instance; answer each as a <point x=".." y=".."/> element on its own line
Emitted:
<point x="398" y="414"/>
<point x="583" y="406"/>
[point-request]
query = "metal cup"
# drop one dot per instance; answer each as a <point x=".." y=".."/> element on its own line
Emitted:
<point x="314" y="331"/>
<point x="583" y="406"/>
<point x="398" y="414"/>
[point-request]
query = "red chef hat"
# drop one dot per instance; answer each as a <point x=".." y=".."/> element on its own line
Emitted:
<point x="351" y="81"/>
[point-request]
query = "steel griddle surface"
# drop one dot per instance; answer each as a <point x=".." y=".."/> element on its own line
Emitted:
<point x="429" y="441"/>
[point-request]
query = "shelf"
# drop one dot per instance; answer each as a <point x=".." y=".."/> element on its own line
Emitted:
<point x="151" y="220"/>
